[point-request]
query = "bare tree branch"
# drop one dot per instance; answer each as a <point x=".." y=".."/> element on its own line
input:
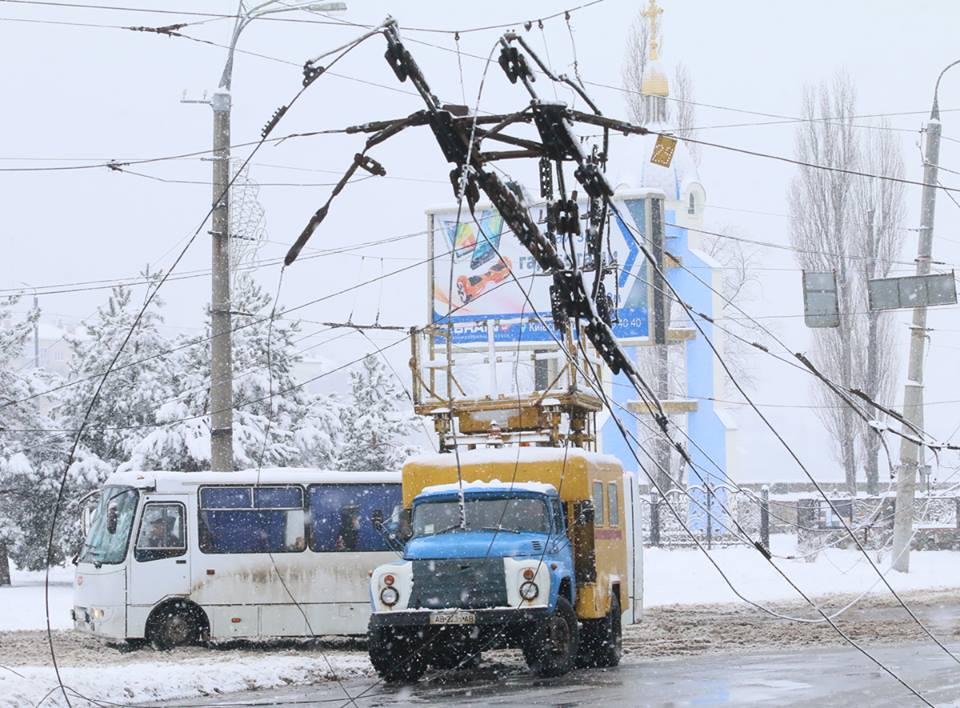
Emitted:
<point x="859" y="219"/>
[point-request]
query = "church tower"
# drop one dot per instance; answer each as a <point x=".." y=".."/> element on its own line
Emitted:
<point x="684" y="372"/>
<point x="654" y="86"/>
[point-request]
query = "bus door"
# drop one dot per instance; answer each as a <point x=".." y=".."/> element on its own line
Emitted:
<point x="161" y="564"/>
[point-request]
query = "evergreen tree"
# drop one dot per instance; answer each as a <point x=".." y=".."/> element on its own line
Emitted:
<point x="32" y="455"/>
<point x="141" y="381"/>
<point x="375" y="426"/>
<point x="275" y="421"/>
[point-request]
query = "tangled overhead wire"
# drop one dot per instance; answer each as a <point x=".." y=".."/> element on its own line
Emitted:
<point x="460" y="135"/>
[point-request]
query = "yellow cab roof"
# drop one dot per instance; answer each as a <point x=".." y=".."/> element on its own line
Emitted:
<point x="570" y="470"/>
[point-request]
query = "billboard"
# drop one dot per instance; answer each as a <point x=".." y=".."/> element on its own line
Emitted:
<point x="479" y="272"/>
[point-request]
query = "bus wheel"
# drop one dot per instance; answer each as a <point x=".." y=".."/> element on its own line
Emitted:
<point x="396" y="655"/>
<point x="174" y="625"/>
<point x="551" y="648"/>
<point x="601" y="640"/>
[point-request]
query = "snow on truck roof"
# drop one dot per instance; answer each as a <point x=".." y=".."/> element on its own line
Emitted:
<point x="512" y="455"/>
<point x="174" y="481"/>
<point x="494" y="485"/>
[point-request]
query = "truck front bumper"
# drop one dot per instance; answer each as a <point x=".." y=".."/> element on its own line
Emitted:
<point x="486" y="617"/>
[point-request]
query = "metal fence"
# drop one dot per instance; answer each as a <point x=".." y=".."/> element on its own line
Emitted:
<point x="820" y="524"/>
<point x="714" y="515"/>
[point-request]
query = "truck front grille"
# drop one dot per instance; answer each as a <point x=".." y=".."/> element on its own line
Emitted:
<point x="470" y="583"/>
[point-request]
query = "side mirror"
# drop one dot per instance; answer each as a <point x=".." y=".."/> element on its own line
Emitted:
<point x="396" y="531"/>
<point x="587" y="513"/>
<point x="112" y="517"/>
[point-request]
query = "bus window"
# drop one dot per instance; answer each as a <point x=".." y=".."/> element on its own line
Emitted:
<point x="349" y="517"/>
<point x="613" y="509"/>
<point x="598" y="503"/>
<point x="251" y="519"/>
<point x="110" y="527"/>
<point x="162" y="533"/>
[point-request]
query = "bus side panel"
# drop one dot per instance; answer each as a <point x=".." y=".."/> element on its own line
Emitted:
<point x="311" y="580"/>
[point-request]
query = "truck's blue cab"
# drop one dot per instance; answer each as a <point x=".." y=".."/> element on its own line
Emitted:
<point x="508" y="550"/>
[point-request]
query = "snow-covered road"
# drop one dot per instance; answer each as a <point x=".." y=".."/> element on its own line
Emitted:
<point x="690" y="611"/>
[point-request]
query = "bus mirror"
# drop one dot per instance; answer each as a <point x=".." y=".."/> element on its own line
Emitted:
<point x="88" y="504"/>
<point x="112" y="516"/>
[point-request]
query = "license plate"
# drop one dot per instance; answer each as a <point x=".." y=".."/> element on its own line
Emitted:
<point x="458" y="617"/>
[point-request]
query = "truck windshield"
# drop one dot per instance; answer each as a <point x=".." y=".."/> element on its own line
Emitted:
<point x="498" y="513"/>
<point x="110" y="527"/>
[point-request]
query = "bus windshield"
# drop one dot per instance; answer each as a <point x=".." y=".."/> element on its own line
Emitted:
<point x="489" y="513"/>
<point x="110" y="529"/>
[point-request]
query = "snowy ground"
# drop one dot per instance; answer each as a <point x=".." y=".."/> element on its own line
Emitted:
<point x="690" y="611"/>
<point x="22" y="605"/>
<point x="687" y="577"/>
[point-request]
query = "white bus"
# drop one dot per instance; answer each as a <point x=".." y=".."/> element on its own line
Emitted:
<point x="179" y="557"/>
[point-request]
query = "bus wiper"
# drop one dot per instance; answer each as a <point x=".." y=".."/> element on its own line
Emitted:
<point x="498" y="529"/>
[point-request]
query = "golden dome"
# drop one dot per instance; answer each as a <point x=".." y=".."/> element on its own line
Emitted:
<point x="654" y="81"/>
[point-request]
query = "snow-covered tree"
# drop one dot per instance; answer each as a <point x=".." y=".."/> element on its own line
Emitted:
<point x="32" y="456"/>
<point x="140" y="382"/>
<point x="276" y="422"/>
<point x="376" y="420"/>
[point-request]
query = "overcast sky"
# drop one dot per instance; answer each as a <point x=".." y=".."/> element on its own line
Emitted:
<point x="75" y="95"/>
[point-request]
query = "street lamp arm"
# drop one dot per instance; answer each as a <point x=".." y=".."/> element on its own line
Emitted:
<point x="935" y="112"/>
<point x="245" y="17"/>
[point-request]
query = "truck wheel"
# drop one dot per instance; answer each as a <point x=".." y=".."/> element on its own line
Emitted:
<point x="551" y="649"/>
<point x="601" y="640"/>
<point x="176" y="625"/>
<point x="396" y="655"/>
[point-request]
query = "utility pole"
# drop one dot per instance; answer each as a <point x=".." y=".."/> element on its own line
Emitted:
<point x="913" y="391"/>
<point x="661" y="317"/>
<point x="221" y="340"/>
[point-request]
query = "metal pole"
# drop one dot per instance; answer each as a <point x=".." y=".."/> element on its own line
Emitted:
<point x="709" y="515"/>
<point x="765" y="517"/>
<point x="913" y="391"/>
<point x="36" y="334"/>
<point x="221" y="348"/>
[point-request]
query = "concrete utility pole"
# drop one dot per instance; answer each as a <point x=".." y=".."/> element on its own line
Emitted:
<point x="913" y="391"/>
<point x="221" y="344"/>
<point x="221" y="349"/>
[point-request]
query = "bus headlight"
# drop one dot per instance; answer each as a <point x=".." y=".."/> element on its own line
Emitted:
<point x="529" y="590"/>
<point x="96" y="613"/>
<point x="389" y="596"/>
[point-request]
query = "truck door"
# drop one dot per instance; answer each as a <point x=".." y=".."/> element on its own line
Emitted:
<point x="161" y="564"/>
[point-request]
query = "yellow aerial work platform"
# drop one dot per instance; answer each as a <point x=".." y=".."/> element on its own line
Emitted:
<point x="460" y="387"/>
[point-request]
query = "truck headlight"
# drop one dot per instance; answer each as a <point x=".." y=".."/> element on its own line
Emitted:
<point x="96" y="613"/>
<point x="529" y="590"/>
<point x="389" y="596"/>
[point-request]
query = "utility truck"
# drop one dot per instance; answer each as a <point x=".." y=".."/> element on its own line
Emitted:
<point x="507" y="547"/>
